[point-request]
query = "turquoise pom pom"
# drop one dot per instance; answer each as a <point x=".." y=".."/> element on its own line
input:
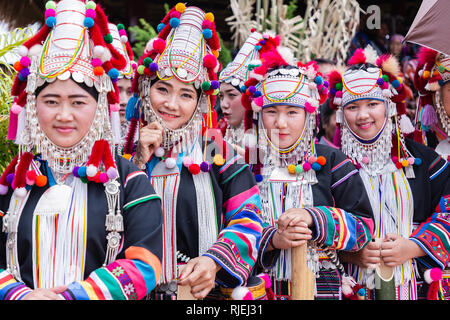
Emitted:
<point x="207" y="33"/>
<point x="113" y="73"/>
<point x="417" y="161"/>
<point x="316" y="166"/>
<point x="50" y="22"/>
<point x="160" y="27"/>
<point x="174" y="22"/>
<point x="82" y="172"/>
<point x="89" y="22"/>
<point x="132" y="109"/>
<point x="396" y="83"/>
<point x="318" y="80"/>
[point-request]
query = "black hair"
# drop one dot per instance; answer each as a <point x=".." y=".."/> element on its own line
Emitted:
<point x="91" y="90"/>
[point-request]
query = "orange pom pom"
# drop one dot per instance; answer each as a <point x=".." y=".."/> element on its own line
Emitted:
<point x="180" y="7"/>
<point x="127" y="156"/>
<point x="321" y="160"/>
<point x="209" y="16"/>
<point x="215" y="53"/>
<point x="291" y="168"/>
<point x="426" y="74"/>
<point x="17" y="66"/>
<point x="41" y="180"/>
<point x="98" y="71"/>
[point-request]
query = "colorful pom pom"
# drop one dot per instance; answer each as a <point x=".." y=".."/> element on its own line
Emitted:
<point x="50" y="5"/>
<point x="291" y="168"/>
<point x="209" y="16"/>
<point x="89" y="22"/>
<point x="91" y="5"/>
<point x="108" y="38"/>
<point x="207" y="34"/>
<point x="160" y="27"/>
<point x="50" y="22"/>
<point x="258" y="178"/>
<point x="194" y="169"/>
<point x="218" y="160"/>
<point x="159" y="45"/>
<point x="321" y="160"/>
<point x="41" y="180"/>
<point x="174" y="22"/>
<point x="205" y="166"/>
<point x="180" y="7"/>
<point x="210" y="61"/>
<point x="113" y="73"/>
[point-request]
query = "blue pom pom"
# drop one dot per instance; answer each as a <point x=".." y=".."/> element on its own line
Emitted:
<point x="89" y="22"/>
<point x="316" y="166"/>
<point x="257" y="94"/>
<point x="174" y="22"/>
<point x="396" y="83"/>
<point x="417" y="161"/>
<point x="318" y="80"/>
<point x="258" y="178"/>
<point x="113" y="73"/>
<point x="82" y="172"/>
<point x="441" y="82"/>
<point x="361" y="292"/>
<point x="132" y="109"/>
<point x="160" y="27"/>
<point x="207" y="34"/>
<point x="50" y="22"/>
<point x="243" y="89"/>
<point x="257" y="48"/>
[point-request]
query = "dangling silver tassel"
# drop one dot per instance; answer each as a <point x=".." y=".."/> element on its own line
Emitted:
<point x="409" y="172"/>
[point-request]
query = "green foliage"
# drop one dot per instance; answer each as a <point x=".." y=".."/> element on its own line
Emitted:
<point x="8" y="42"/>
<point x="225" y="53"/>
<point x="141" y="36"/>
<point x="292" y="7"/>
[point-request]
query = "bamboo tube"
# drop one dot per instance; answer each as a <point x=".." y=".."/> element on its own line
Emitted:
<point x="302" y="277"/>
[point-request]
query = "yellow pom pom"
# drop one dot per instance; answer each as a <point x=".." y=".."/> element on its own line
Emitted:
<point x="291" y="168"/>
<point x="215" y="53"/>
<point x="218" y="160"/>
<point x="127" y="156"/>
<point x="426" y="74"/>
<point x="405" y="162"/>
<point x="180" y="7"/>
<point x="209" y="16"/>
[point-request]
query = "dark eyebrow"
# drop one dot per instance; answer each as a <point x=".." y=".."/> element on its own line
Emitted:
<point x="72" y="96"/>
<point x="171" y="86"/>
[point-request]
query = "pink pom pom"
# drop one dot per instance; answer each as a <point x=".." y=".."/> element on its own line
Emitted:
<point x="306" y="166"/>
<point x="206" y="24"/>
<point x="103" y="177"/>
<point x="210" y="61"/>
<point x="411" y="160"/>
<point x="187" y="161"/>
<point x="435" y="274"/>
<point x="3" y="189"/>
<point x="365" y="160"/>
<point x="259" y="101"/>
<point x="96" y="62"/>
<point x="159" y="45"/>
<point x="49" y="13"/>
<point x="114" y="107"/>
<point x="16" y="109"/>
<point x="90" y="13"/>
<point x="338" y="94"/>
<point x="112" y="173"/>
<point x="175" y="14"/>
<point x="25" y="61"/>
<point x="122" y="32"/>
<point x="312" y="159"/>
<point x="309" y="108"/>
<point x="267" y="281"/>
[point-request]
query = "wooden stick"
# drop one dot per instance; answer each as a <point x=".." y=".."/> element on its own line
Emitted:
<point x="302" y="277"/>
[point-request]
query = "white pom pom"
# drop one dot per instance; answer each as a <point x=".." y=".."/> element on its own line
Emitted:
<point x="405" y="124"/>
<point x="386" y="93"/>
<point x="433" y="86"/>
<point x="98" y="51"/>
<point x="427" y="277"/>
<point x="241" y="293"/>
<point x="255" y="107"/>
<point x="337" y="101"/>
<point x="35" y="50"/>
<point x="91" y="170"/>
<point x="149" y="45"/>
<point x="124" y="39"/>
<point x="106" y="56"/>
<point x="23" y="51"/>
<point x="20" y="192"/>
<point x="250" y="140"/>
<point x="170" y="163"/>
<point x="159" y="152"/>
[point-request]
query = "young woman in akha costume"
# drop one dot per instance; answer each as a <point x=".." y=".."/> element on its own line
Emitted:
<point x="78" y="222"/>
<point x="211" y="203"/>
<point x="431" y="80"/>
<point x="310" y="193"/>
<point x="408" y="184"/>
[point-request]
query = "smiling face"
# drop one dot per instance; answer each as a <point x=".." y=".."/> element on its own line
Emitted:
<point x="230" y="103"/>
<point x="284" y="124"/>
<point x="365" y="117"/>
<point x="65" y="112"/>
<point x="173" y="101"/>
<point x="445" y="97"/>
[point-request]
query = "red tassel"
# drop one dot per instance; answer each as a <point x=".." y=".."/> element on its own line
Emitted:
<point x="96" y="153"/>
<point x="22" y="168"/>
<point x="9" y="169"/>
<point x="107" y="158"/>
<point x="128" y="146"/>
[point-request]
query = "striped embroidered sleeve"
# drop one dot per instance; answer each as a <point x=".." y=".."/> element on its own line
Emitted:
<point x="236" y="249"/>
<point x="433" y="236"/>
<point x="124" y="279"/>
<point x="10" y="288"/>
<point x="347" y="224"/>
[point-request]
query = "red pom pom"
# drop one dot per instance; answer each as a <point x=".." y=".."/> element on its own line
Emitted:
<point x="31" y="175"/>
<point x="159" y="45"/>
<point x="194" y="169"/>
<point x="210" y="61"/>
